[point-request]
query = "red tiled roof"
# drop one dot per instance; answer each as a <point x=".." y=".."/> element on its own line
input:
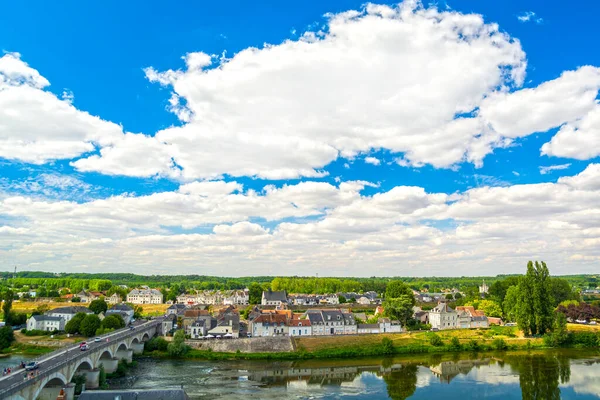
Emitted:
<point x="271" y="318"/>
<point x="299" y="322"/>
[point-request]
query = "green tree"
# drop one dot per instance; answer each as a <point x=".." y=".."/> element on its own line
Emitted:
<point x="255" y="293"/>
<point x="7" y="337"/>
<point x="178" y="348"/>
<point x="534" y="306"/>
<point x="113" y="321"/>
<point x="490" y="308"/>
<point x="7" y="298"/>
<point x="74" y="323"/>
<point x="98" y="306"/>
<point x="399" y="301"/>
<point x="89" y="325"/>
<point x="510" y="303"/>
<point x="341" y="299"/>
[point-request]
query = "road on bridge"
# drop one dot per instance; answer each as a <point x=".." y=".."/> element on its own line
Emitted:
<point x="51" y="360"/>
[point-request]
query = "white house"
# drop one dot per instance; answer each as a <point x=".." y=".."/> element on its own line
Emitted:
<point x="443" y="317"/>
<point x="269" y="325"/>
<point x="299" y="327"/>
<point x="145" y="296"/>
<point x="113" y="299"/>
<point x="66" y="313"/>
<point x="45" y="323"/>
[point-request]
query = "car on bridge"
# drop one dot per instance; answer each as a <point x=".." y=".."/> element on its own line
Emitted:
<point x="31" y="366"/>
<point x="98" y="339"/>
<point x="84" y="346"/>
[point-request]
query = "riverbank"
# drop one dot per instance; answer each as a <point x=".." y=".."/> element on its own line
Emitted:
<point x="354" y="346"/>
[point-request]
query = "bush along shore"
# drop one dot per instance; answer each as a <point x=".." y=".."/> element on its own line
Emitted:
<point x="431" y="343"/>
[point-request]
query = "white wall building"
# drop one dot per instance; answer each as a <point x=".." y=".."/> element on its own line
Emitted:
<point x="45" y="323"/>
<point x="145" y="296"/>
<point x="443" y="317"/>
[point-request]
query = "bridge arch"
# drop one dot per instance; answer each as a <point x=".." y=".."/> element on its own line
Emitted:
<point x="55" y="380"/>
<point x="84" y="365"/>
<point x="146" y="337"/>
<point x="135" y="340"/>
<point x="122" y="347"/>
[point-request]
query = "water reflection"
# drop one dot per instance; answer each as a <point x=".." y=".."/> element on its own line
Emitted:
<point x="541" y="375"/>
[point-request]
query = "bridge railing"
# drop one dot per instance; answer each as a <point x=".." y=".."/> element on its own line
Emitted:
<point x="18" y="386"/>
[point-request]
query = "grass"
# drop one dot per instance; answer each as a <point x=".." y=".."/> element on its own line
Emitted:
<point x="583" y="328"/>
<point x="484" y="336"/>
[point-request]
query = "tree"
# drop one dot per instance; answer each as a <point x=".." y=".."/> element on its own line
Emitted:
<point x="510" y="303"/>
<point x="89" y="325"/>
<point x="7" y="297"/>
<point x="177" y="347"/>
<point x="98" y="306"/>
<point x="534" y="306"/>
<point x="74" y="323"/>
<point x="490" y="308"/>
<point x="7" y="337"/>
<point x="255" y="293"/>
<point x="341" y="299"/>
<point x="113" y="321"/>
<point x="399" y="301"/>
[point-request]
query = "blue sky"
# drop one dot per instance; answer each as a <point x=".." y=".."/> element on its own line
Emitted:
<point x="299" y="118"/>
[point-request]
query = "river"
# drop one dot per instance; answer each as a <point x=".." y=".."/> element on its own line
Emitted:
<point x="573" y="374"/>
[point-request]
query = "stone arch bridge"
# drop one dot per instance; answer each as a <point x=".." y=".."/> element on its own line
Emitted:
<point x="57" y="369"/>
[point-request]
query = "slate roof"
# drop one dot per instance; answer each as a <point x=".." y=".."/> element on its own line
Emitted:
<point x="70" y="310"/>
<point x="275" y="296"/>
<point x="121" y="307"/>
<point x="46" y="318"/>
<point x="443" y="307"/>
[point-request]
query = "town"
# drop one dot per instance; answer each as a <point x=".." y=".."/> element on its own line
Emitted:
<point x="223" y="314"/>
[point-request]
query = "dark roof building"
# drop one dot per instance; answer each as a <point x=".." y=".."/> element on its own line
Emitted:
<point x="273" y="298"/>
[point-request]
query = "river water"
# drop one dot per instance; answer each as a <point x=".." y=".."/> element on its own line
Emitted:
<point x="534" y="375"/>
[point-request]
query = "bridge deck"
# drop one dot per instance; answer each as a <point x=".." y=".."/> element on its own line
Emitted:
<point x="56" y="360"/>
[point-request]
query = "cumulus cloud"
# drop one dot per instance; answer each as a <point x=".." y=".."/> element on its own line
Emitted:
<point x="227" y="229"/>
<point x="36" y="126"/>
<point x="287" y="110"/>
<point x="372" y="160"/>
<point x="579" y="139"/>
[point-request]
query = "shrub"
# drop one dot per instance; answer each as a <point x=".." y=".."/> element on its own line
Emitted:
<point x="473" y="345"/>
<point x="156" y="343"/>
<point x="435" y="340"/>
<point x="455" y="344"/>
<point x="499" y="344"/>
<point x="585" y="339"/>
<point x="388" y="345"/>
<point x="178" y="348"/>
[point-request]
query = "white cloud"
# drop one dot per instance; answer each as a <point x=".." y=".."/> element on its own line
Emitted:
<point x="579" y="139"/>
<point x="36" y="125"/>
<point x="529" y="16"/>
<point x="547" y="169"/>
<point x="288" y="110"/>
<point x="310" y="226"/>
<point x="372" y="160"/>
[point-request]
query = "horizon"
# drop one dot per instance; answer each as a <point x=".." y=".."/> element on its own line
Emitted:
<point x="351" y="139"/>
